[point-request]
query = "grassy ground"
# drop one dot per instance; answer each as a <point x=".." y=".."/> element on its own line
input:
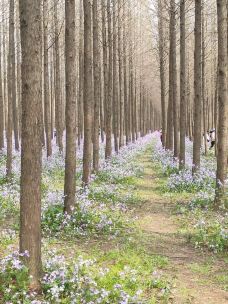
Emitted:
<point x="197" y="276"/>
<point x="154" y="256"/>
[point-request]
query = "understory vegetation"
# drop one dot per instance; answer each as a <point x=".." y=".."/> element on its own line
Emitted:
<point x="204" y="226"/>
<point x="75" y="271"/>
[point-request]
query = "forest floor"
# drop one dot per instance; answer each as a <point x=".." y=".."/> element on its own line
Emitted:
<point x="194" y="273"/>
<point x="184" y="274"/>
<point x="133" y="246"/>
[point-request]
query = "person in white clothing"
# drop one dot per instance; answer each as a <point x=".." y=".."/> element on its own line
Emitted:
<point x="212" y="138"/>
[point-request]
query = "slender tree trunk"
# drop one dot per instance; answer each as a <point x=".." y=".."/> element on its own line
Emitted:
<point x="70" y="70"/>
<point x="126" y="110"/>
<point x="203" y="89"/>
<point x="11" y="94"/>
<point x="58" y="100"/>
<point x="120" y="55"/>
<point x="105" y="61"/>
<point x="1" y="108"/>
<point x="108" y="147"/>
<point x="170" y="116"/>
<point x="197" y="86"/>
<point x="30" y="202"/>
<point x="88" y="93"/>
<point x="115" y="80"/>
<point x="97" y="79"/>
<point x="81" y="77"/>
<point x="47" y="110"/>
<point x="13" y="75"/>
<point x="174" y="80"/>
<point x="182" y="86"/>
<point x="162" y="68"/>
<point x="222" y="103"/>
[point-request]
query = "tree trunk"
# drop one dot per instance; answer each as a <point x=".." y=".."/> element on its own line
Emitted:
<point x="13" y="75"/>
<point x="182" y="86"/>
<point x="96" y="75"/>
<point x="31" y="149"/>
<point x="81" y="76"/>
<point x="162" y="68"/>
<point x="203" y="90"/>
<point x="197" y="86"/>
<point x="70" y="74"/>
<point x="11" y="92"/>
<point x="47" y="110"/>
<point x="58" y="100"/>
<point x="222" y="103"/>
<point x="88" y="93"/>
<point x="115" y="80"/>
<point x="120" y="55"/>
<point x="108" y="147"/>
<point x="1" y="108"/>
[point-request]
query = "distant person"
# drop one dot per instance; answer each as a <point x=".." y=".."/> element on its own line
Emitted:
<point x="212" y="138"/>
<point x="161" y="135"/>
<point x="207" y="137"/>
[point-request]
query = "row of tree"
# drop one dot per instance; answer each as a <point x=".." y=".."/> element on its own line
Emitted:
<point x="203" y="80"/>
<point x="74" y="86"/>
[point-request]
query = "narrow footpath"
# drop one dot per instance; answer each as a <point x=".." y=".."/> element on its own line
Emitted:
<point x="191" y="271"/>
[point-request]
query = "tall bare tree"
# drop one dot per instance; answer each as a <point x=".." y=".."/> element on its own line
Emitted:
<point x="31" y="147"/>
<point x="97" y="79"/>
<point x="182" y="86"/>
<point x="197" y="86"/>
<point x="222" y="145"/>
<point x="88" y="94"/>
<point x="70" y="70"/>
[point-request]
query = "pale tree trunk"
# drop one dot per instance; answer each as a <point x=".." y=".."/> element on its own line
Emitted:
<point x="97" y="79"/>
<point x="126" y="111"/>
<point x="182" y="86"/>
<point x="222" y="104"/>
<point x="81" y="76"/>
<point x="5" y="68"/>
<point x="108" y="147"/>
<point x="104" y="60"/>
<point x="11" y="86"/>
<point x="120" y="55"/>
<point x="1" y="108"/>
<point x="88" y="93"/>
<point x="58" y="100"/>
<point x="70" y="71"/>
<point x="31" y="147"/>
<point x="174" y="80"/>
<point x="170" y="116"/>
<point x="162" y="67"/>
<point x="47" y="110"/>
<point x="197" y="86"/>
<point x="115" y="81"/>
<point x="203" y="88"/>
<point x="18" y="68"/>
<point x="13" y="75"/>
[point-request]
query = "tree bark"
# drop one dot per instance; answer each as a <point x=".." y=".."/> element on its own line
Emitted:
<point x="115" y="80"/>
<point x="108" y="147"/>
<point x="31" y="151"/>
<point x="197" y="86"/>
<point x="96" y="75"/>
<point x="47" y="110"/>
<point x="162" y="68"/>
<point x="88" y="93"/>
<point x="58" y="100"/>
<point x="222" y="103"/>
<point x="70" y="74"/>
<point x="182" y="86"/>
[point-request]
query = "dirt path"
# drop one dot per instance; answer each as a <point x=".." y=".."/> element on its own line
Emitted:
<point x="192" y="271"/>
